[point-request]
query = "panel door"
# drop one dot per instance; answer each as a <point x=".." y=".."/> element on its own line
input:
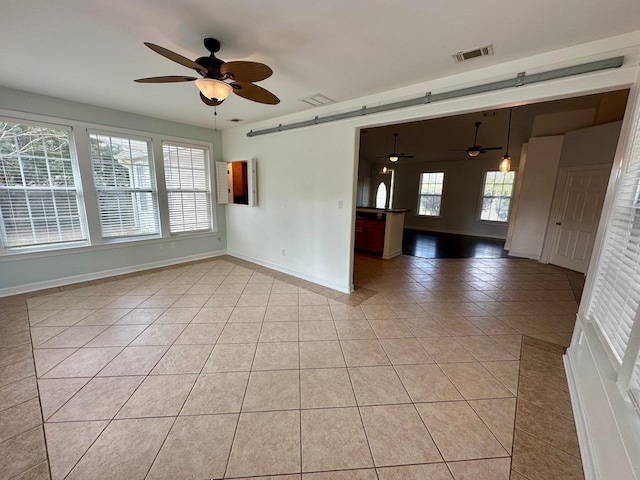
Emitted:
<point x="581" y="198"/>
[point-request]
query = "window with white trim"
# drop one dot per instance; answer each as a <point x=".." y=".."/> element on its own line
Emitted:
<point x="497" y="190"/>
<point x="40" y="198"/>
<point x="125" y="186"/>
<point x="615" y="299"/>
<point x="430" y="193"/>
<point x="186" y="171"/>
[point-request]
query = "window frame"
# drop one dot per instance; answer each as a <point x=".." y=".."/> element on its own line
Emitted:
<point x="420" y="195"/>
<point x="80" y="145"/>
<point x="153" y="189"/>
<point x="482" y="197"/>
<point x="208" y="165"/>
<point x="35" y="121"/>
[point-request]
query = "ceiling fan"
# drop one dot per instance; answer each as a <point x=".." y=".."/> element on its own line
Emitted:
<point x="475" y="149"/>
<point x="394" y="157"/>
<point x="219" y="78"/>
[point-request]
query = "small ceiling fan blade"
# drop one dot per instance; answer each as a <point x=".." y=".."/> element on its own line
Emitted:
<point x="486" y="149"/>
<point x="405" y="156"/>
<point x="175" y="57"/>
<point x="246" y="71"/>
<point x="165" y="79"/>
<point x="255" y="93"/>
<point x="209" y="102"/>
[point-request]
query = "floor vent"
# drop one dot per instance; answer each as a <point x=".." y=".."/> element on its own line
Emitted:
<point x="475" y="53"/>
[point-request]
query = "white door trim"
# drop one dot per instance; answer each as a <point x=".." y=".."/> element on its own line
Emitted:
<point x="556" y="202"/>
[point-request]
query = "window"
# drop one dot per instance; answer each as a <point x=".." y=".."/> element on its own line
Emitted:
<point x="614" y="307"/>
<point x="186" y="171"/>
<point x="496" y="196"/>
<point x="125" y="186"/>
<point x="39" y="195"/>
<point x="430" y="193"/>
<point x="381" y="196"/>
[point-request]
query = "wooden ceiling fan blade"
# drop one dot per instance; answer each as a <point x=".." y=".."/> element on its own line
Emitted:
<point x="246" y="71"/>
<point x="175" y="57"/>
<point x="165" y="79"/>
<point x="209" y="102"/>
<point x="486" y="149"/>
<point x="255" y="93"/>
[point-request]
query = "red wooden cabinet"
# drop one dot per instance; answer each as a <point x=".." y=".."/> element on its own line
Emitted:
<point x="369" y="235"/>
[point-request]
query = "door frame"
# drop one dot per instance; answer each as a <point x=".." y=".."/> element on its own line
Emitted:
<point x="558" y="193"/>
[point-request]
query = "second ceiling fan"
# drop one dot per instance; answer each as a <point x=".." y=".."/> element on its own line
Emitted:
<point x="475" y="149"/>
<point x="394" y="157"/>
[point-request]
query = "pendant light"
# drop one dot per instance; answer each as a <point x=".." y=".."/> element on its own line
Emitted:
<point x="505" y="161"/>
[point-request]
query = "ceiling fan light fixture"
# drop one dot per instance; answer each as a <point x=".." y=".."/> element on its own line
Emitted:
<point x="393" y="158"/>
<point x="473" y="153"/>
<point x="213" y="89"/>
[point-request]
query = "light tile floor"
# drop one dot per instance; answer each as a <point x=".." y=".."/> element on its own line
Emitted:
<point x="224" y="369"/>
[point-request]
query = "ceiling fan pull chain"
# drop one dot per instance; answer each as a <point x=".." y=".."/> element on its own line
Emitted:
<point x="215" y="119"/>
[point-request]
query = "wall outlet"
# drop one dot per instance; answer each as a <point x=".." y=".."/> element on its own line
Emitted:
<point x="284" y="252"/>
<point x="173" y="244"/>
<point x="340" y="204"/>
<point x="161" y="246"/>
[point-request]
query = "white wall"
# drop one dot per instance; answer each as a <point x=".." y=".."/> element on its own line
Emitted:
<point x="590" y="146"/>
<point x="461" y="199"/>
<point x="27" y="272"/>
<point x="537" y="181"/>
<point x="304" y="173"/>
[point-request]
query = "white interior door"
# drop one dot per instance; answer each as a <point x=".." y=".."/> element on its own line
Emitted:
<point x="577" y="208"/>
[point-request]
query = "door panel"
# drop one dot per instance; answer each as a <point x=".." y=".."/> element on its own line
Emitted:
<point x="581" y="199"/>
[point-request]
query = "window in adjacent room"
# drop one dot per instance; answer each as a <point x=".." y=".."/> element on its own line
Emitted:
<point x="186" y="170"/>
<point x="125" y="186"/>
<point x="40" y="198"/>
<point x="497" y="190"/>
<point x="381" y="196"/>
<point x="430" y="193"/>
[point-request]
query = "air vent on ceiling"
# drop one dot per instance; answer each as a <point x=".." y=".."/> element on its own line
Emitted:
<point x="317" y="100"/>
<point x="475" y="53"/>
<point x="235" y="120"/>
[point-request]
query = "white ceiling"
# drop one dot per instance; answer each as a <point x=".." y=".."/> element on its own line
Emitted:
<point x="91" y="50"/>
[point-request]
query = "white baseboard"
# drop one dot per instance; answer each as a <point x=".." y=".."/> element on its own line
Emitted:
<point x="87" y="277"/>
<point x="530" y="256"/>
<point x="579" y="415"/>
<point x="341" y="288"/>
<point x="392" y="254"/>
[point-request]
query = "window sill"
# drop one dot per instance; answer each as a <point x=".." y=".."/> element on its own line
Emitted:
<point x="12" y="256"/>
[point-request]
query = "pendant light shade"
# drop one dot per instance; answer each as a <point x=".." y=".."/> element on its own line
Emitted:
<point x="505" y="161"/>
<point x="215" y="90"/>
<point x="505" y="164"/>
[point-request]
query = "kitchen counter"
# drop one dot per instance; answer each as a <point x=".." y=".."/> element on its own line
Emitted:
<point x="380" y="230"/>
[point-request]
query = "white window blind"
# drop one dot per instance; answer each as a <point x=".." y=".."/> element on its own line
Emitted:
<point x="616" y="294"/>
<point x="497" y="190"/>
<point x="186" y="170"/>
<point x="430" y="193"/>
<point x="39" y="198"/>
<point x="125" y="186"/>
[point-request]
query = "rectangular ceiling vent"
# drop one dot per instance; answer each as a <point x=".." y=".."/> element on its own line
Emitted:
<point x="475" y="53"/>
<point x="317" y="100"/>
